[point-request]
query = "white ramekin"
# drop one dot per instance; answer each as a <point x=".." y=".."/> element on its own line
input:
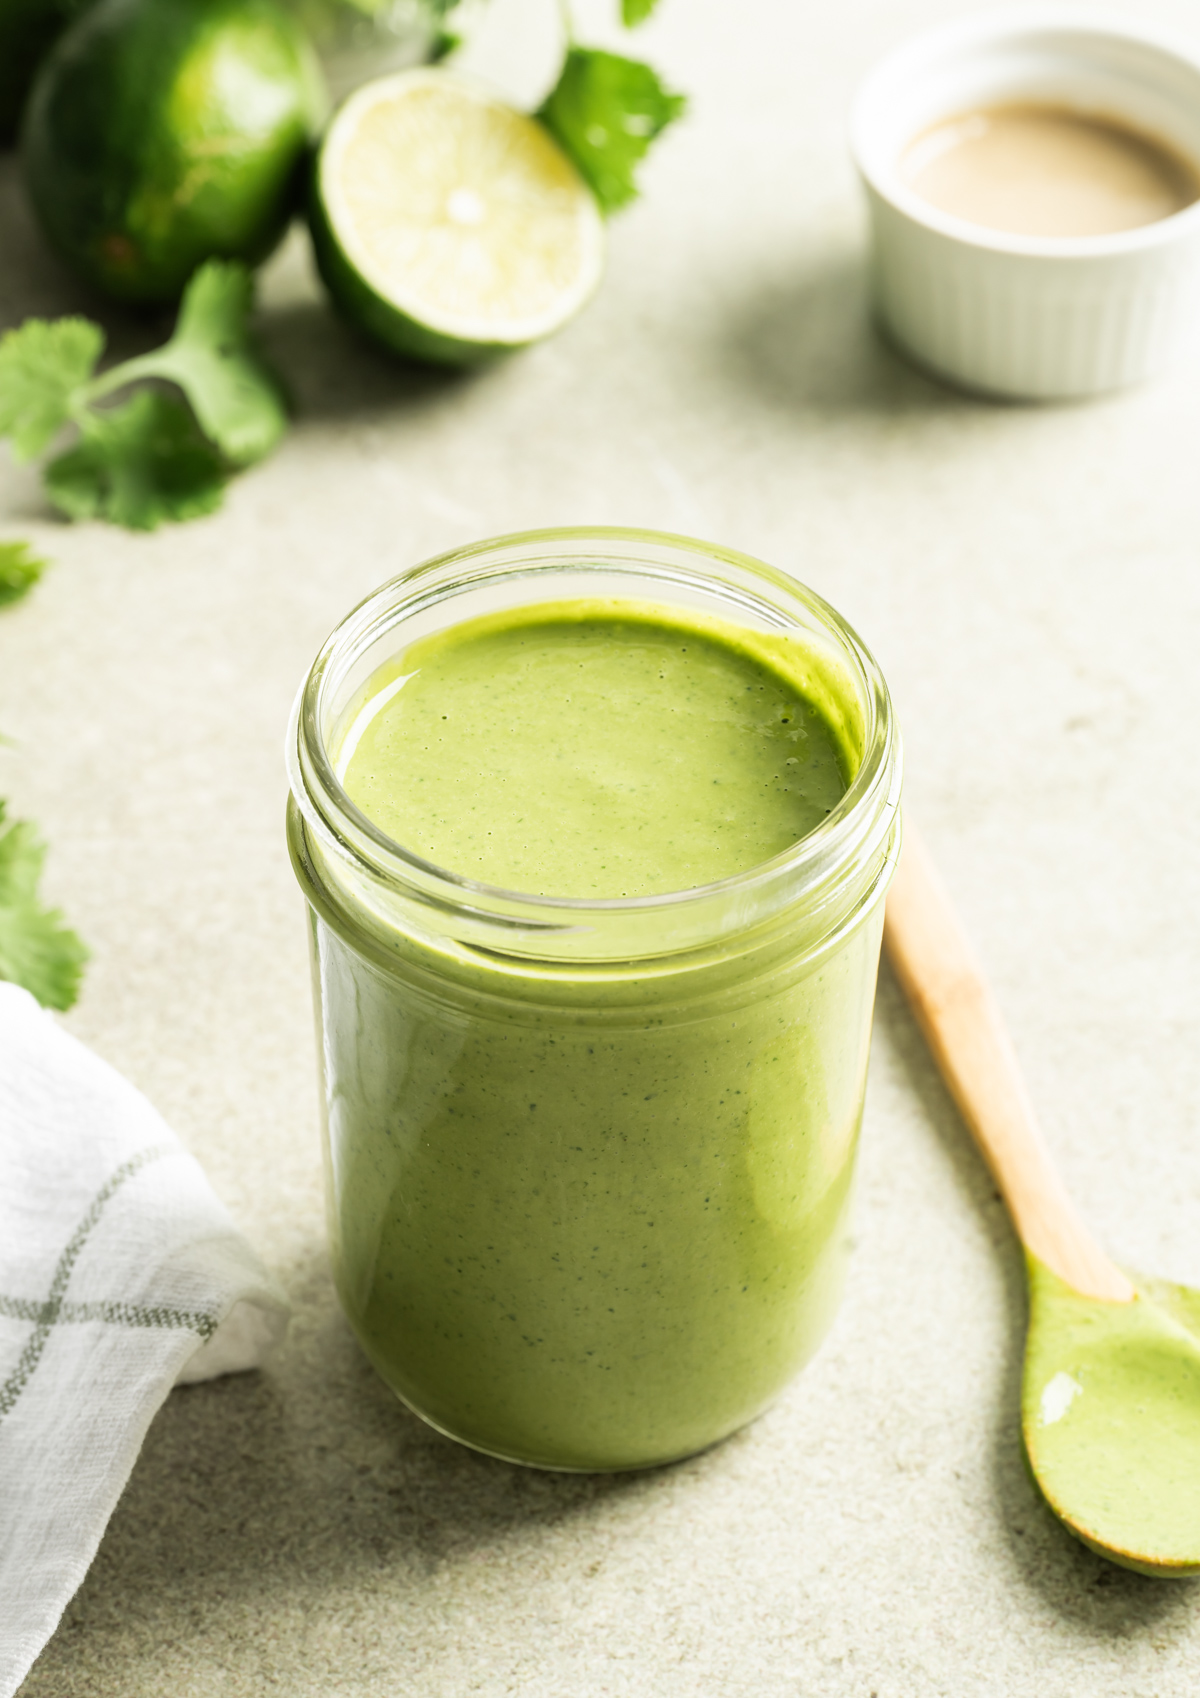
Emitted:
<point x="1031" y="317"/>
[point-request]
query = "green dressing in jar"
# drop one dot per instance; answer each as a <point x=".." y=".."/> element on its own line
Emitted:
<point x="594" y="1048"/>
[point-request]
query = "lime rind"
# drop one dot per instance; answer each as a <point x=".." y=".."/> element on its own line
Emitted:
<point x="448" y="225"/>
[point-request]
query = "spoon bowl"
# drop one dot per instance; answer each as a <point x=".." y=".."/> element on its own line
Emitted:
<point x="1110" y="1404"/>
<point x="1110" y="1415"/>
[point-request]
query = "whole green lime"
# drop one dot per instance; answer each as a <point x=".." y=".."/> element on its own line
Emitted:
<point x="161" y="133"/>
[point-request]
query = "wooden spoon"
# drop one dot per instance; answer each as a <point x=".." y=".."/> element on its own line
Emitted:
<point x="1111" y="1391"/>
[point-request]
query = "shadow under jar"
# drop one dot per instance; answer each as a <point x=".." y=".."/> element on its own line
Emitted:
<point x="588" y="1160"/>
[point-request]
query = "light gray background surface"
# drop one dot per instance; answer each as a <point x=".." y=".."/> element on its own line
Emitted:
<point x="1030" y="582"/>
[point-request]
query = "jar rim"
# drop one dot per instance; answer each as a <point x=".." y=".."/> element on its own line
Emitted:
<point x="865" y="814"/>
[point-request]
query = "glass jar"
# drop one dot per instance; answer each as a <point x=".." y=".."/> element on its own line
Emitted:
<point x="588" y="1163"/>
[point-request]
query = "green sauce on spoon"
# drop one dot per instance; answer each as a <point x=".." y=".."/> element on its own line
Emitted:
<point x="1111" y="1418"/>
<point x="1111" y="1397"/>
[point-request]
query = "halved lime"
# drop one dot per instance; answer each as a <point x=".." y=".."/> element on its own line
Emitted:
<point x="448" y="225"/>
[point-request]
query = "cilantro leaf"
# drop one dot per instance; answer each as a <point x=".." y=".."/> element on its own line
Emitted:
<point x="211" y="357"/>
<point x="605" y="111"/>
<point x="635" y="12"/>
<point x="20" y="569"/>
<point x="42" y="365"/>
<point x="36" y="949"/>
<point x="444" y="43"/>
<point x="138" y="465"/>
<point x="151" y="459"/>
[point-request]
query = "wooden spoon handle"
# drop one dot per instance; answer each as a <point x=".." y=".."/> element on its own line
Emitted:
<point x="957" y="1012"/>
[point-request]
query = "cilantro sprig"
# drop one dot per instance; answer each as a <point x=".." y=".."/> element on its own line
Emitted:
<point x="37" y="948"/>
<point x="635" y="12"/>
<point x="149" y="458"/>
<point x="606" y="110"/>
<point x="20" y="569"/>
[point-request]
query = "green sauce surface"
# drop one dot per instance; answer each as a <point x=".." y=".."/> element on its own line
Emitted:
<point x="595" y="751"/>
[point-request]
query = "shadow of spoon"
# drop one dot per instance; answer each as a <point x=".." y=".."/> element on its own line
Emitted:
<point x="1110" y="1400"/>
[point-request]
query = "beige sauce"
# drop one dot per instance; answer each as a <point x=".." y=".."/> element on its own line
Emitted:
<point x="1048" y="171"/>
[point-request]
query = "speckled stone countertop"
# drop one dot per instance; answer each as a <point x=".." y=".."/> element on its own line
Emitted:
<point x="1030" y="581"/>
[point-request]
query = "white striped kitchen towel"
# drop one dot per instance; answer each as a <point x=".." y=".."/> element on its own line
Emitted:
<point x="120" y="1275"/>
